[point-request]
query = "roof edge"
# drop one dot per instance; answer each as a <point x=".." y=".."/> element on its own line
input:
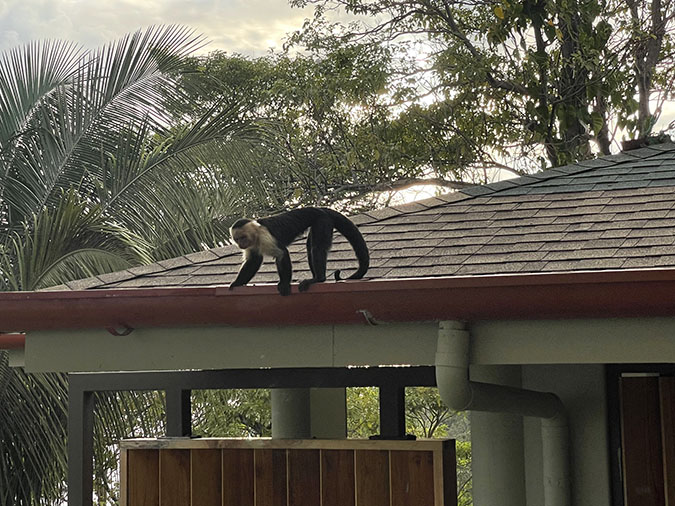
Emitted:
<point x="624" y="293"/>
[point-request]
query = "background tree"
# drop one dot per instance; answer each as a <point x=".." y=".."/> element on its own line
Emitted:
<point x="338" y="140"/>
<point x="548" y="80"/>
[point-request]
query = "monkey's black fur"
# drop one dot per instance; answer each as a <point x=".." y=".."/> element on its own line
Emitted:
<point x="286" y="227"/>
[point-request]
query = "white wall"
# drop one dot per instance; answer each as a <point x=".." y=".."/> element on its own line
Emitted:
<point x="582" y="390"/>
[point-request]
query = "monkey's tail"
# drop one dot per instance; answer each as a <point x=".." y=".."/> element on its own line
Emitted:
<point x="351" y="232"/>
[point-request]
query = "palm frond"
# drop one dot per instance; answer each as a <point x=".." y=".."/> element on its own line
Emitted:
<point x="28" y="74"/>
<point x="32" y="412"/>
<point x="69" y="242"/>
<point x="70" y="128"/>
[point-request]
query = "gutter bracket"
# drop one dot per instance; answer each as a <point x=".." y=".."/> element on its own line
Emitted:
<point x="120" y="331"/>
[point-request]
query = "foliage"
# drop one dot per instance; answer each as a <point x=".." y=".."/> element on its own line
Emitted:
<point x="363" y="412"/>
<point x="95" y="176"/>
<point x="426" y="417"/>
<point x="537" y="78"/>
<point x="232" y="413"/>
<point x="33" y="415"/>
<point x="341" y="135"/>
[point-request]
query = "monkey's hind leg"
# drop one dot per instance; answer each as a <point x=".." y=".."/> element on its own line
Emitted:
<point x="319" y="241"/>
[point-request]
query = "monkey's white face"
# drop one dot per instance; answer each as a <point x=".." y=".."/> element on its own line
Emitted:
<point x="245" y="236"/>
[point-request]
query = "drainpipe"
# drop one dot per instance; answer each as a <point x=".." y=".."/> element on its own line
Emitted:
<point x="461" y="394"/>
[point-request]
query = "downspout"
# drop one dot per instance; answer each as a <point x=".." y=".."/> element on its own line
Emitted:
<point x="461" y="394"/>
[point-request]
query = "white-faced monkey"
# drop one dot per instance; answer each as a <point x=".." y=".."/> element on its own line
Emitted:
<point x="271" y="236"/>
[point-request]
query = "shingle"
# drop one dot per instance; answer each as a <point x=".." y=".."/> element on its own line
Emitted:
<point x="382" y="214"/>
<point x="415" y="272"/>
<point x="656" y="241"/>
<point x="84" y="284"/>
<point x="497" y="268"/>
<point x="647" y="251"/>
<point x="513" y="238"/>
<point x="115" y="277"/>
<point x="477" y="190"/>
<point x="172" y="263"/>
<point x="583" y="264"/>
<point x="580" y="254"/>
<point x="642" y="262"/>
<point x="440" y="260"/>
<point x="510" y="248"/>
<point x="411" y="207"/>
<point x="146" y="269"/>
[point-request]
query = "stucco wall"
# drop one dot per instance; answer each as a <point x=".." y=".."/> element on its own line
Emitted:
<point x="582" y="390"/>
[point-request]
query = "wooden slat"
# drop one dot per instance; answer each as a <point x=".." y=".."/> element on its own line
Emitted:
<point x="641" y="442"/>
<point x="238" y="477"/>
<point x="206" y="486"/>
<point x="270" y="477"/>
<point x="337" y="478"/>
<point x="372" y="477"/>
<point x="412" y="478"/>
<point x="304" y="478"/>
<point x="143" y="478"/>
<point x="124" y="475"/>
<point x="174" y="477"/>
<point x="667" y="398"/>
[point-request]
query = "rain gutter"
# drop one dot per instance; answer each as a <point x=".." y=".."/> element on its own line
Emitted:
<point x="625" y="293"/>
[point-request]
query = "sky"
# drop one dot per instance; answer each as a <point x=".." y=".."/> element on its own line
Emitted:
<point x="249" y="27"/>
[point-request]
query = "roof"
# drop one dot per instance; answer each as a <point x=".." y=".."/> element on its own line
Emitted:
<point x="612" y="213"/>
<point x="594" y="239"/>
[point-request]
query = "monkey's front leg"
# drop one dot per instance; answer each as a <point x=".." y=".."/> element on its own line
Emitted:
<point x="285" y="270"/>
<point x="247" y="269"/>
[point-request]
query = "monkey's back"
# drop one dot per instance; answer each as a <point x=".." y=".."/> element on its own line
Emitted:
<point x="287" y="226"/>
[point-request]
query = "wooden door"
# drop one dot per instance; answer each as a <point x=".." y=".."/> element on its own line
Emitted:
<point x="648" y="440"/>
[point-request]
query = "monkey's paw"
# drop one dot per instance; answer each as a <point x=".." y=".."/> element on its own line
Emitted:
<point x="304" y="285"/>
<point x="284" y="289"/>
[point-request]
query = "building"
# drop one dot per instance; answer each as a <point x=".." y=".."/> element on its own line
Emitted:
<point x="556" y="290"/>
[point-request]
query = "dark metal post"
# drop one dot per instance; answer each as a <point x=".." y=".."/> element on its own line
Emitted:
<point x="178" y="413"/>
<point x="80" y="445"/>
<point x="392" y="412"/>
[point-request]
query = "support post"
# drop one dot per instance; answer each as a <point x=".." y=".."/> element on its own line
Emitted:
<point x="80" y="445"/>
<point x="178" y="413"/>
<point x="290" y="413"/>
<point x="392" y="412"/>
<point x="328" y="413"/>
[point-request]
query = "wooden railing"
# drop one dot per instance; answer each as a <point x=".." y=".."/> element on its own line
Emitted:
<point x="267" y="472"/>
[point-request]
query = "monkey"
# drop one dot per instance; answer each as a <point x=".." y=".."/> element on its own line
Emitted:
<point x="271" y="236"/>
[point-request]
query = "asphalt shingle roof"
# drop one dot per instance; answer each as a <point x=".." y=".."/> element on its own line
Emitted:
<point x="614" y="212"/>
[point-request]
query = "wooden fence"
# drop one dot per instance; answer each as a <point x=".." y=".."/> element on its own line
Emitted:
<point x="266" y="472"/>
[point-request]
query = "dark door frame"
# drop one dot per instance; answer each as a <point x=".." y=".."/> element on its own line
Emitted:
<point x="613" y="375"/>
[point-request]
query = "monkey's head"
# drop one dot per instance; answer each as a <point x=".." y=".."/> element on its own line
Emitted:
<point x="244" y="232"/>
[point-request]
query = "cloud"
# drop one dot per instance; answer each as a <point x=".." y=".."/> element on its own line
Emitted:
<point x="244" y="26"/>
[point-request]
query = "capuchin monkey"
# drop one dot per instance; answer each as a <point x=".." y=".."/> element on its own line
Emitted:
<point x="271" y="236"/>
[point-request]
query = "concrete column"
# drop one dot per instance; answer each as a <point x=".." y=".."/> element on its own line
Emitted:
<point x="299" y="413"/>
<point x="497" y="446"/>
<point x="328" y="409"/>
<point x="290" y="413"/>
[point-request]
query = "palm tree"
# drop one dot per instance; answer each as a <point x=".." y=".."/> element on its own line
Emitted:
<point x="95" y="176"/>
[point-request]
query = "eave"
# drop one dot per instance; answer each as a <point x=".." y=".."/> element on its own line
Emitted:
<point x="635" y="293"/>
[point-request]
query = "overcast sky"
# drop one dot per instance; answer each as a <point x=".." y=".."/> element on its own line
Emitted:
<point x="245" y="26"/>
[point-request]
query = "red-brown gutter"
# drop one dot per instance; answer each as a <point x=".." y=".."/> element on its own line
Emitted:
<point x="525" y="296"/>
<point x="12" y="341"/>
